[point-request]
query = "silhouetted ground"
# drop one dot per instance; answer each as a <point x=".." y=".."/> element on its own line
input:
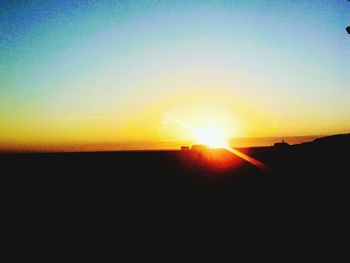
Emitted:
<point x="318" y="167"/>
<point x="74" y="198"/>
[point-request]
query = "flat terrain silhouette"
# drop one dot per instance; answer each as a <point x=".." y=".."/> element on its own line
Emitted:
<point x="318" y="167"/>
<point x="132" y="195"/>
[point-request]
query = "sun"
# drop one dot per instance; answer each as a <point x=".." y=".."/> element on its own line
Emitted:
<point x="211" y="136"/>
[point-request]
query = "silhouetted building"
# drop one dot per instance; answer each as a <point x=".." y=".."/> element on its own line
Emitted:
<point x="185" y="148"/>
<point x="281" y="145"/>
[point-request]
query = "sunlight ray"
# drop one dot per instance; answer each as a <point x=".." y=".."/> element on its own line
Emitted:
<point x="219" y="143"/>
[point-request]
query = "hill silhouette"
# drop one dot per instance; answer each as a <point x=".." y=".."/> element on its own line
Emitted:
<point x="338" y="140"/>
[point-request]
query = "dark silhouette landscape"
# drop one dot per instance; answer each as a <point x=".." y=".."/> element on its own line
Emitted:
<point x="316" y="169"/>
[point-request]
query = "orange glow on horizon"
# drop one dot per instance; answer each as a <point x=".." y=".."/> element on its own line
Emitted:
<point x="213" y="137"/>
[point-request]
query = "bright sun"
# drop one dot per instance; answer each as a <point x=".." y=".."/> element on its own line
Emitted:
<point x="211" y="136"/>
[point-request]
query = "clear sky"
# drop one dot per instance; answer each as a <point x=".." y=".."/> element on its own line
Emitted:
<point x="85" y="72"/>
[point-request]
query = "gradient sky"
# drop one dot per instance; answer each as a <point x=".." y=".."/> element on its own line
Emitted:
<point x="75" y="72"/>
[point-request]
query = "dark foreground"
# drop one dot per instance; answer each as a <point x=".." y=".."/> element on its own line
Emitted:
<point x="116" y="199"/>
<point x="318" y="169"/>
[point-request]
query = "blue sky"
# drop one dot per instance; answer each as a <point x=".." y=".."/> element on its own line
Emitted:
<point x="65" y="59"/>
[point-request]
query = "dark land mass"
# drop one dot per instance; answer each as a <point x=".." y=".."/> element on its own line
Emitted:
<point x="73" y="199"/>
<point x="318" y="168"/>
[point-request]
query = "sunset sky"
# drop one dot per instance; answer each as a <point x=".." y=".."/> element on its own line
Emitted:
<point x="127" y="72"/>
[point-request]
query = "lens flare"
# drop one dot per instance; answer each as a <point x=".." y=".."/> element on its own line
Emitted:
<point x="211" y="136"/>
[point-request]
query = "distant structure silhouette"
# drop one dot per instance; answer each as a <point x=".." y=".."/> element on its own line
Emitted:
<point x="281" y="145"/>
<point x="185" y="148"/>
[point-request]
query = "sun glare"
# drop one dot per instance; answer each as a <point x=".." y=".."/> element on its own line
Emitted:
<point x="211" y="136"/>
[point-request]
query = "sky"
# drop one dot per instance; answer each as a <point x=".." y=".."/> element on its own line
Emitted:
<point x="128" y="72"/>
